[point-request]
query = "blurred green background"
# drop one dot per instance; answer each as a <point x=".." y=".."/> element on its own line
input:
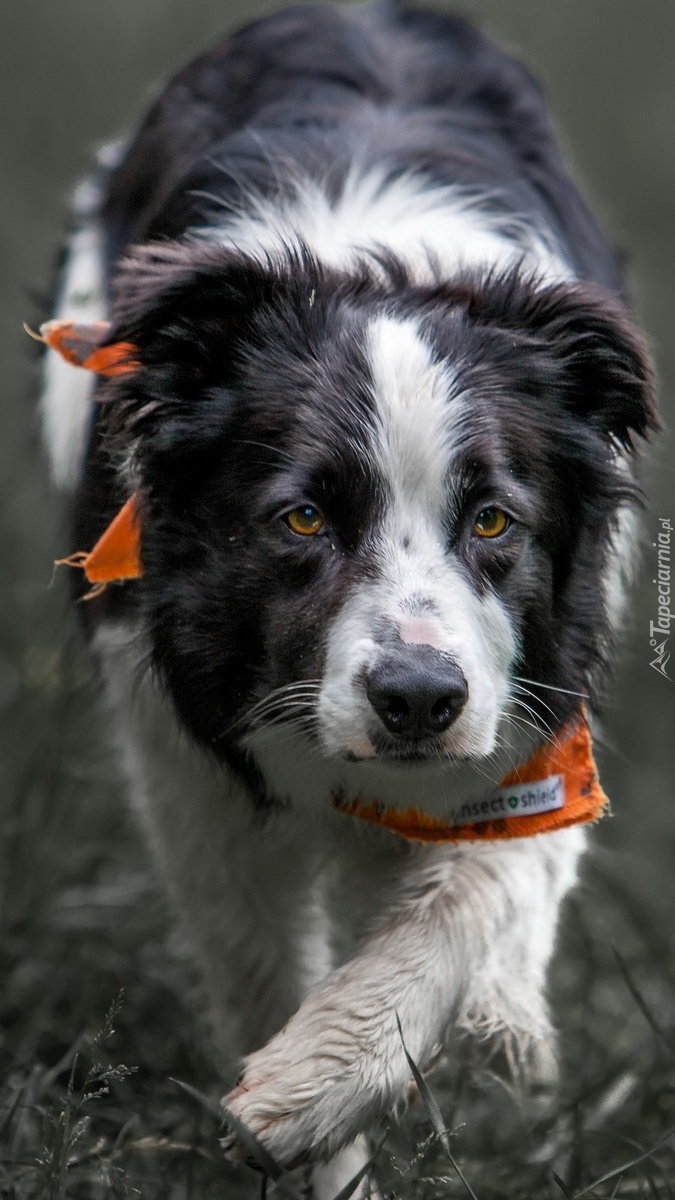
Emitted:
<point x="73" y="74"/>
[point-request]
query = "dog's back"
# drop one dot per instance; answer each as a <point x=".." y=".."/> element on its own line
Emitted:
<point x="311" y="94"/>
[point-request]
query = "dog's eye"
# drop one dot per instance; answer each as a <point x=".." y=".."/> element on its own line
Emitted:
<point x="305" y="520"/>
<point x="490" y="522"/>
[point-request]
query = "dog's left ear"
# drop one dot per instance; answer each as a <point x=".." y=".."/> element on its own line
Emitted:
<point x="604" y="367"/>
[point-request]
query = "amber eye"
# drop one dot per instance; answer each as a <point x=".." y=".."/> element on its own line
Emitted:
<point x="490" y="522"/>
<point x="304" y="520"/>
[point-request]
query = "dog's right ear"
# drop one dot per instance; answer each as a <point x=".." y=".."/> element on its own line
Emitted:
<point x="184" y="306"/>
<point x="160" y="283"/>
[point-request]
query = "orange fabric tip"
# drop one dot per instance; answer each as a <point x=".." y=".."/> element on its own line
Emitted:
<point x="81" y="346"/>
<point x="116" y="555"/>
<point x="557" y="786"/>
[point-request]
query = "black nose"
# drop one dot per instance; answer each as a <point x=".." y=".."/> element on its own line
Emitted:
<point x="417" y="692"/>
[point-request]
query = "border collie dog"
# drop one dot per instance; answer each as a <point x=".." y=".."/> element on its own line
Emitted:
<point x="381" y="428"/>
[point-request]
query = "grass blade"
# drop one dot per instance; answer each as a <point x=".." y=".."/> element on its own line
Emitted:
<point x="349" y="1188"/>
<point x="627" y="1166"/>
<point x="563" y="1186"/>
<point x="642" y="1003"/>
<point x="248" y="1139"/>
<point x="206" y="1102"/>
<point x="434" y="1113"/>
<point x="262" y="1157"/>
<point x="633" y="1145"/>
<point x="9" y="1115"/>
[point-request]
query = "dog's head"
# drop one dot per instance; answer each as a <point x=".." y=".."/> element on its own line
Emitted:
<point x="379" y="512"/>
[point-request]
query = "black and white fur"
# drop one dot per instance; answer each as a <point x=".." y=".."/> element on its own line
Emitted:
<point x="359" y="278"/>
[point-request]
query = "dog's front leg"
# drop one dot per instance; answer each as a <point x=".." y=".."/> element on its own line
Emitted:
<point x="466" y="941"/>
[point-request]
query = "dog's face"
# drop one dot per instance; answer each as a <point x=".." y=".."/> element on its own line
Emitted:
<point x="372" y="509"/>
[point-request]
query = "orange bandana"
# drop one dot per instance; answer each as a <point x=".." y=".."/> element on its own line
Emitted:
<point x="116" y="556"/>
<point x="80" y="345"/>
<point x="557" y="786"/>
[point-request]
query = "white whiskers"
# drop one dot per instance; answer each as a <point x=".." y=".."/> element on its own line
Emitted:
<point x="550" y="687"/>
<point x="294" y="702"/>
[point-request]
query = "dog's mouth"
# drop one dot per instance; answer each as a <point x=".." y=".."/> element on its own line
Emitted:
<point x="413" y="753"/>
<point x="405" y="756"/>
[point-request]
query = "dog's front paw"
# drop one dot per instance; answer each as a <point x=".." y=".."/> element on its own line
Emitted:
<point x="300" y="1111"/>
<point x="304" y="1097"/>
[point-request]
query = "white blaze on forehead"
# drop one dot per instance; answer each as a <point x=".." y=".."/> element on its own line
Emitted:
<point x="414" y="413"/>
<point x="422" y="592"/>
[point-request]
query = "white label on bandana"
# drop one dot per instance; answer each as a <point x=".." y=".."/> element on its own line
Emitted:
<point x="519" y="800"/>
